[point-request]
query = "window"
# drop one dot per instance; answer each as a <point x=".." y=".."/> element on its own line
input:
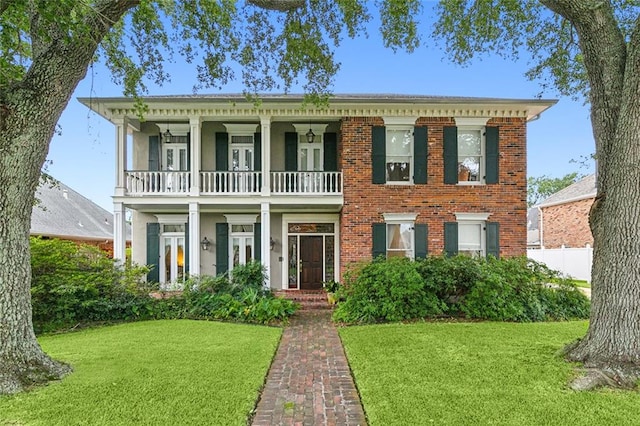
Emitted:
<point x="470" y="155"/>
<point x="399" y="148"/>
<point x="172" y="255"/>
<point x="400" y="239"/>
<point x="241" y="244"/>
<point x="472" y="235"/>
<point x="241" y="153"/>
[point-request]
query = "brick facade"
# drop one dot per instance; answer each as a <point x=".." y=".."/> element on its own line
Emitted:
<point x="435" y="202"/>
<point x="567" y="224"/>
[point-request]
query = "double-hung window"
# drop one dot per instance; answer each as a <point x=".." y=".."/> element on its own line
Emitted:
<point x="399" y="158"/>
<point x="399" y="152"/>
<point x="471" y="153"/>
<point x="472" y="235"/>
<point x="399" y="236"/>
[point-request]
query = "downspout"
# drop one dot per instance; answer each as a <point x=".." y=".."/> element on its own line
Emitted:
<point x="541" y="226"/>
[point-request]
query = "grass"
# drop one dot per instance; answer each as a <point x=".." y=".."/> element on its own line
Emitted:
<point x="476" y="374"/>
<point x="151" y="373"/>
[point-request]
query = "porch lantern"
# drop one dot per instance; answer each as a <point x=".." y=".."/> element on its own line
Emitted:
<point x="205" y="244"/>
<point x="310" y="136"/>
<point x="272" y="243"/>
<point x="166" y="136"/>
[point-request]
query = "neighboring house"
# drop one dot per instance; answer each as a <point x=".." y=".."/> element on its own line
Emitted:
<point x="63" y="213"/>
<point x="564" y="216"/>
<point x="214" y="181"/>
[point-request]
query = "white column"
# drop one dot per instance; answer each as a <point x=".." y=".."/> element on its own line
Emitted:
<point x="196" y="148"/>
<point x="265" y="238"/>
<point x="194" y="238"/>
<point x="119" y="234"/>
<point x="265" y="130"/>
<point x="121" y="154"/>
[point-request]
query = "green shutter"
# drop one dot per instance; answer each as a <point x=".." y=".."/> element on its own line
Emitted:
<point x="154" y="153"/>
<point x="222" y="248"/>
<point x="257" y="152"/>
<point x="378" y="154"/>
<point x="420" y="230"/>
<point x="493" y="239"/>
<point x="186" y="249"/>
<point x="153" y="252"/>
<point x="257" y="238"/>
<point x="222" y="152"/>
<point x="492" y="155"/>
<point x="291" y="152"/>
<point x="451" y="238"/>
<point x="420" y="155"/>
<point x="330" y="152"/>
<point x="450" y="144"/>
<point x="379" y="239"/>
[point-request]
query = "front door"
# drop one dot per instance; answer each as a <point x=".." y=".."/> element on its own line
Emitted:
<point x="311" y="262"/>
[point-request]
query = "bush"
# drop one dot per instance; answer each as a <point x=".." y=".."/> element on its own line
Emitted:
<point x="513" y="289"/>
<point x="386" y="290"/>
<point x="77" y="283"/>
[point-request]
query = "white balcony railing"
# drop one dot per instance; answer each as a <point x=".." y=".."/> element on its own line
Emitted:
<point x="233" y="183"/>
<point x="165" y="182"/>
<point x="320" y="183"/>
<point x="230" y="182"/>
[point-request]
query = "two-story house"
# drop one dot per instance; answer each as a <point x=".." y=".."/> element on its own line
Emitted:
<point x="214" y="181"/>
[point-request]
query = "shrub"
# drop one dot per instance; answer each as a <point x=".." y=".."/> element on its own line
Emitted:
<point x="386" y="290"/>
<point x="77" y="283"/>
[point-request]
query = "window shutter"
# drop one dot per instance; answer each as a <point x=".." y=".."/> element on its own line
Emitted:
<point x="189" y="151"/>
<point x="492" y="157"/>
<point x="450" y="143"/>
<point x="420" y="148"/>
<point x="379" y="238"/>
<point x="378" y="154"/>
<point x="420" y="230"/>
<point x="186" y="249"/>
<point x="153" y="252"/>
<point x="154" y="153"/>
<point x="257" y="238"/>
<point x="493" y="239"/>
<point x="330" y="152"/>
<point x="451" y="238"/>
<point x="222" y="152"/>
<point x="257" y="152"/>
<point x="222" y="248"/>
<point x="291" y="152"/>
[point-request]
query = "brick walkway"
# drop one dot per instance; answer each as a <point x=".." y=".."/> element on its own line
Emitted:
<point x="309" y="382"/>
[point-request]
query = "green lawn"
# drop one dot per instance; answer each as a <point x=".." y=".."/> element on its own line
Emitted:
<point x="476" y="374"/>
<point x="151" y="373"/>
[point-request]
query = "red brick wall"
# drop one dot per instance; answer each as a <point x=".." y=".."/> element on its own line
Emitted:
<point x="434" y="202"/>
<point x="567" y="224"/>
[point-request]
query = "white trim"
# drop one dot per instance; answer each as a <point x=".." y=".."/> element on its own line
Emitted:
<point x="399" y="217"/>
<point x="471" y="121"/>
<point x="241" y="128"/>
<point x="288" y="218"/>
<point x="472" y="216"/>
<point x="400" y="121"/>
<point x="569" y="200"/>
<point x="176" y="129"/>
<point x="241" y="219"/>
<point x="172" y="219"/>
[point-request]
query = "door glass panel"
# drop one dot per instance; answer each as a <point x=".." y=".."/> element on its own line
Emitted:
<point x="236" y="251"/>
<point x="248" y="160"/>
<point x="303" y="159"/>
<point x="293" y="262"/>
<point x="235" y="160"/>
<point x="316" y="160"/>
<point x="170" y="159"/>
<point x="248" y="249"/>
<point x="329" y="244"/>
<point x="183" y="159"/>
<point x="167" y="260"/>
<point x="180" y="261"/>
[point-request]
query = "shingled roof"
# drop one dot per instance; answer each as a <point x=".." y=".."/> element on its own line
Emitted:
<point x="63" y="213"/>
<point x="583" y="189"/>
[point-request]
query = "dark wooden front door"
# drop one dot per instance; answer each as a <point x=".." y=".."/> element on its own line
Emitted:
<point x="311" y="257"/>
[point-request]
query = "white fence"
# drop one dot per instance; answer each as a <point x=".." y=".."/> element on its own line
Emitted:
<point x="575" y="262"/>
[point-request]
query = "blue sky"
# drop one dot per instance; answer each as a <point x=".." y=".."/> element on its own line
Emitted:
<point x="82" y="155"/>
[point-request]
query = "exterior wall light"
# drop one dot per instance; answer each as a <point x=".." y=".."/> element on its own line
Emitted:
<point x="205" y="244"/>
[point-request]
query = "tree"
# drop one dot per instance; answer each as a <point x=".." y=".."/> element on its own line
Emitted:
<point x="541" y="187"/>
<point x="46" y="48"/>
<point x="593" y="48"/>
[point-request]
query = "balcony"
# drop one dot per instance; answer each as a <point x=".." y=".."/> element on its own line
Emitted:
<point x="233" y="183"/>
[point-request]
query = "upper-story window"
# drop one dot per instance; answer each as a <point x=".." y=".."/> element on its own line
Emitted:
<point x="241" y="152"/>
<point x="471" y="153"/>
<point x="399" y="154"/>
<point x="174" y="154"/>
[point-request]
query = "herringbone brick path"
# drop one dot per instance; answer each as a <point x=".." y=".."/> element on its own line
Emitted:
<point x="309" y="382"/>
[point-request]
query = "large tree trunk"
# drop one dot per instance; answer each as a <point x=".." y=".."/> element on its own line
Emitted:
<point x="611" y="349"/>
<point x="29" y="112"/>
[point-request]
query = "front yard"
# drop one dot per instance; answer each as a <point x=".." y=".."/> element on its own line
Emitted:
<point x="476" y="374"/>
<point x="151" y="373"/>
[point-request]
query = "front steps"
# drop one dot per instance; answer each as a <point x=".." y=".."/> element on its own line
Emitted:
<point x="310" y="300"/>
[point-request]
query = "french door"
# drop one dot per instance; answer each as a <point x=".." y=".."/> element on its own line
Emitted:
<point x="172" y="258"/>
